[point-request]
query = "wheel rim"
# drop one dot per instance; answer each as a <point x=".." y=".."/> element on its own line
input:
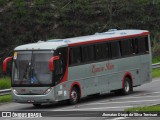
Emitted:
<point x="127" y="87"/>
<point x="74" y="96"/>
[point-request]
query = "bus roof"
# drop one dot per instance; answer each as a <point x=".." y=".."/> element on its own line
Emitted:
<point x="97" y="37"/>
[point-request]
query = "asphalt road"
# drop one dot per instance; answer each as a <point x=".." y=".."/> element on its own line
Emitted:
<point x="145" y="95"/>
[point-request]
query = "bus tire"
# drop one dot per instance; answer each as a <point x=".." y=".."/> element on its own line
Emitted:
<point x="37" y="105"/>
<point x="127" y="86"/>
<point x="74" y="96"/>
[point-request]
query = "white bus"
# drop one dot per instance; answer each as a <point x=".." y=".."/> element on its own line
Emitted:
<point x="73" y="68"/>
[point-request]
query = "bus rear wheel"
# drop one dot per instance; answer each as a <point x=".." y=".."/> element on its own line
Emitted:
<point x="127" y="89"/>
<point x="74" y="96"/>
<point x="127" y="86"/>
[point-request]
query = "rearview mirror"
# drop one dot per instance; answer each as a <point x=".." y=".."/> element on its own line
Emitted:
<point x="51" y="62"/>
<point x="5" y="62"/>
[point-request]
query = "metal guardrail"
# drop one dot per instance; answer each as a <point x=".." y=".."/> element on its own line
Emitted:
<point x="8" y="91"/>
<point x="5" y="92"/>
<point x="156" y="65"/>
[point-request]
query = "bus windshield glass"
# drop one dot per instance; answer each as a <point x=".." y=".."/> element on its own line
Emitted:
<point x="30" y="68"/>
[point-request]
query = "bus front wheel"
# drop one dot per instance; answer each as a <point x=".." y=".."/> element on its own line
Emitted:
<point x="74" y="96"/>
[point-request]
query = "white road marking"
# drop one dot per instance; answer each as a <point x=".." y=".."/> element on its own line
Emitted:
<point x="70" y="108"/>
<point x="150" y="96"/>
<point x="119" y="118"/>
<point x="93" y="108"/>
<point x="145" y="96"/>
<point x="156" y="92"/>
<point x="134" y="96"/>
<point x="124" y="102"/>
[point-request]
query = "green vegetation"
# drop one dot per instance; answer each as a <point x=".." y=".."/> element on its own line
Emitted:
<point x="28" y="21"/>
<point x="5" y="98"/>
<point x="5" y="83"/>
<point x="3" y="2"/>
<point x="144" y="109"/>
<point x="33" y="20"/>
<point x="156" y="59"/>
<point x="156" y="73"/>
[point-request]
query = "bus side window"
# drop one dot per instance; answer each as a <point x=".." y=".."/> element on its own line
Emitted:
<point x="141" y="45"/>
<point x="106" y="50"/>
<point x="115" y="49"/>
<point x="102" y="51"/>
<point x="135" y="46"/>
<point x="88" y="53"/>
<point x="126" y="47"/>
<point x="75" y="56"/>
<point x="146" y="44"/>
<point x="99" y="51"/>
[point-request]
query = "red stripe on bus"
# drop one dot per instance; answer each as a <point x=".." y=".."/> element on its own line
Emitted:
<point x="65" y="77"/>
<point x="108" y="39"/>
<point x="125" y="75"/>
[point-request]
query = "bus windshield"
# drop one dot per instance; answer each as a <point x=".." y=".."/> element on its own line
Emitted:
<point x="30" y="68"/>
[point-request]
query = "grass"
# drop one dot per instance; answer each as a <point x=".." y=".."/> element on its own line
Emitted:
<point x="155" y="73"/>
<point x="145" y="109"/>
<point x="156" y="59"/>
<point x="5" y="83"/>
<point x="5" y="98"/>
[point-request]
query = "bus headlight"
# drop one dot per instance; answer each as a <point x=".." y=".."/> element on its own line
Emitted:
<point x="15" y="91"/>
<point x="48" y="90"/>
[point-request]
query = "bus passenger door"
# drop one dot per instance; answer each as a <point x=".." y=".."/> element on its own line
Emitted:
<point x="60" y="73"/>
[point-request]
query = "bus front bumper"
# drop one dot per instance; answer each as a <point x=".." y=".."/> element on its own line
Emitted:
<point x="46" y="98"/>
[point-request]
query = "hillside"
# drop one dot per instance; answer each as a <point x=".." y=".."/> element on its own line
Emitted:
<point x="25" y="21"/>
